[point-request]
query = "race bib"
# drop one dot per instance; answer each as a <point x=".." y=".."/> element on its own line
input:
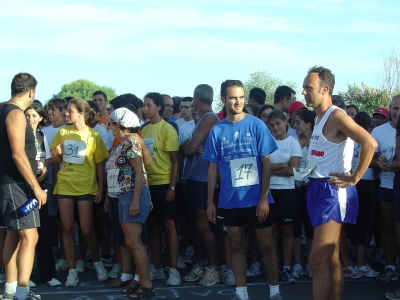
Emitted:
<point x="244" y="172"/>
<point x="112" y="181"/>
<point x="149" y="143"/>
<point x="74" y="152"/>
<point x="302" y="174"/>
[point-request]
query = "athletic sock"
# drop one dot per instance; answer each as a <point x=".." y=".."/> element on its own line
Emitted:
<point x="10" y="287"/>
<point x="125" y="277"/>
<point x="273" y="290"/>
<point x="22" y="292"/>
<point x="242" y="292"/>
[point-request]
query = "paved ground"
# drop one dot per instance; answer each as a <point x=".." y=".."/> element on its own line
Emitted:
<point x="89" y="288"/>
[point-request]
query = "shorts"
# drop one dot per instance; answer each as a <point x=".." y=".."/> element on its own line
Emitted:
<point x="161" y="209"/>
<point x="235" y="217"/>
<point x="285" y="201"/>
<point x="116" y="225"/>
<point x="13" y="196"/>
<point x="124" y="203"/>
<point x="196" y="194"/>
<point x="325" y="203"/>
<point x="396" y="197"/>
<point x="385" y="194"/>
<point x="86" y="197"/>
<point x="51" y="201"/>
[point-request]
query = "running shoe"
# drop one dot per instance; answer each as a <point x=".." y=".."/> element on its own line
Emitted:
<point x="366" y="271"/>
<point x="181" y="263"/>
<point x="72" y="279"/>
<point x="174" y="278"/>
<point x="102" y="274"/>
<point x="195" y="274"/>
<point x="227" y="277"/>
<point x="308" y="271"/>
<point x="61" y="265"/>
<point x="255" y="269"/>
<point x="350" y="272"/>
<point x="298" y="270"/>
<point x="211" y="277"/>
<point x="156" y="273"/>
<point x="393" y="296"/>
<point x="287" y="276"/>
<point x="387" y="275"/>
<point x="115" y="272"/>
<point x="80" y="266"/>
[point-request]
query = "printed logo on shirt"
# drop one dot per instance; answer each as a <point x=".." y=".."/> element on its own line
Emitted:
<point x="285" y="150"/>
<point x="315" y="137"/>
<point x="317" y="153"/>
<point x="237" y="135"/>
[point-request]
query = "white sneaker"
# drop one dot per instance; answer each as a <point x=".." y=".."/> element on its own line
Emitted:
<point x="102" y="274"/>
<point x="107" y="262"/>
<point x="174" y="278"/>
<point x="115" y="272"/>
<point x="156" y="273"/>
<point x="53" y="282"/>
<point x="72" y="279"/>
<point x="297" y="270"/>
<point x="367" y="271"/>
<point x="181" y="264"/>
<point x="80" y="266"/>
<point x="31" y="284"/>
<point x="61" y="265"/>
<point x="227" y="277"/>
<point x="255" y="268"/>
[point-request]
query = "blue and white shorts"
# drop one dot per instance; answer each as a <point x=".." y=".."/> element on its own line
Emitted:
<point x="325" y="202"/>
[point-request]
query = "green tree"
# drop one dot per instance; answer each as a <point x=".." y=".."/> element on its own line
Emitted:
<point x="84" y="89"/>
<point x="366" y="98"/>
<point x="389" y="79"/>
<point x="261" y="79"/>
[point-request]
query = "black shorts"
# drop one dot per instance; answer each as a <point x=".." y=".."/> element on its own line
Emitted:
<point x="161" y="209"/>
<point x="196" y="193"/>
<point x="235" y="217"/>
<point x="396" y="197"/>
<point x="285" y="205"/>
<point x="13" y="196"/>
<point x="385" y="195"/>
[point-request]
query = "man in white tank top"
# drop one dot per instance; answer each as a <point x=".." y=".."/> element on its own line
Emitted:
<point x="330" y="178"/>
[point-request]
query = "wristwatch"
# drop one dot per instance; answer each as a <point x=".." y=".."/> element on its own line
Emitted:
<point x="172" y="188"/>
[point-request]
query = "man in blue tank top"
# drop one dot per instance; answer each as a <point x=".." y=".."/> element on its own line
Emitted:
<point x="195" y="174"/>
<point x="239" y="148"/>
<point x="330" y="201"/>
<point x="18" y="184"/>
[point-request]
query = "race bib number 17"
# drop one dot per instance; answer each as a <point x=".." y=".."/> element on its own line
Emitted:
<point x="244" y="172"/>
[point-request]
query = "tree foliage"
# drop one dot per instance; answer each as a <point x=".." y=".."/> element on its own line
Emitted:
<point x="366" y="98"/>
<point x="84" y="89"/>
<point x="261" y="79"/>
<point x="389" y="79"/>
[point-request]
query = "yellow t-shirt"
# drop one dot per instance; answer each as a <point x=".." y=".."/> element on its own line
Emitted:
<point x="161" y="138"/>
<point x="82" y="151"/>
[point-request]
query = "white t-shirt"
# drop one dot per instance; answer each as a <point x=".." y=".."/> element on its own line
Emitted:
<point x="385" y="136"/>
<point x="103" y="133"/>
<point x="287" y="148"/>
<point x="369" y="173"/>
<point x="292" y="132"/>
<point x="186" y="131"/>
<point x="181" y="122"/>
<point x="49" y="133"/>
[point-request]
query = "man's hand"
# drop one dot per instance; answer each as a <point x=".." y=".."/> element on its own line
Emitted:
<point x="262" y="211"/>
<point x="42" y="175"/>
<point x="341" y="180"/>
<point x="41" y="196"/>
<point x="212" y="213"/>
<point x="381" y="161"/>
<point x="99" y="196"/>
<point x="134" y="208"/>
<point x="169" y="195"/>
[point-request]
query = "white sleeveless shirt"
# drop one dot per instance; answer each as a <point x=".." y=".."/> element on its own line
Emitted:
<point x="329" y="157"/>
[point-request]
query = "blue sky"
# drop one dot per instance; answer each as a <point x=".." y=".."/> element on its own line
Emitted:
<point x="172" y="46"/>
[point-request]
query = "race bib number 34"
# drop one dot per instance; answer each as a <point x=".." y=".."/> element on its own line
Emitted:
<point x="74" y="152"/>
<point x="244" y="172"/>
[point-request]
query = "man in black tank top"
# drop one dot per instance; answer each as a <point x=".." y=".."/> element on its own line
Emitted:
<point x="18" y="184"/>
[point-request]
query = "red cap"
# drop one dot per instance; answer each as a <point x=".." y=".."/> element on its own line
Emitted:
<point x="295" y="107"/>
<point x="382" y="111"/>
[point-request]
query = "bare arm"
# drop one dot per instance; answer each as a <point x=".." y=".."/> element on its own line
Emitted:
<point x="278" y="166"/>
<point x="263" y="205"/>
<point x="394" y="166"/>
<point x="203" y="129"/>
<point x="294" y="162"/>
<point x="100" y="181"/>
<point x="16" y="126"/>
<point x="364" y="139"/>
<point x="147" y="158"/>
<point x="170" y="195"/>
<point x="212" y="182"/>
<point x="374" y="162"/>
<point x="136" y="164"/>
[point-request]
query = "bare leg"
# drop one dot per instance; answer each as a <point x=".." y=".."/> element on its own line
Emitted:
<point x="239" y="263"/>
<point x="172" y="242"/>
<point x="207" y="234"/>
<point x="267" y="245"/>
<point x="324" y="270"/>
<point x="66" y="207"/>
<point x="153" y="227"/>
<point x="86" y="221"/>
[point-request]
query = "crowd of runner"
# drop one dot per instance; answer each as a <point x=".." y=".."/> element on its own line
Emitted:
<point x="129" y="179"/>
